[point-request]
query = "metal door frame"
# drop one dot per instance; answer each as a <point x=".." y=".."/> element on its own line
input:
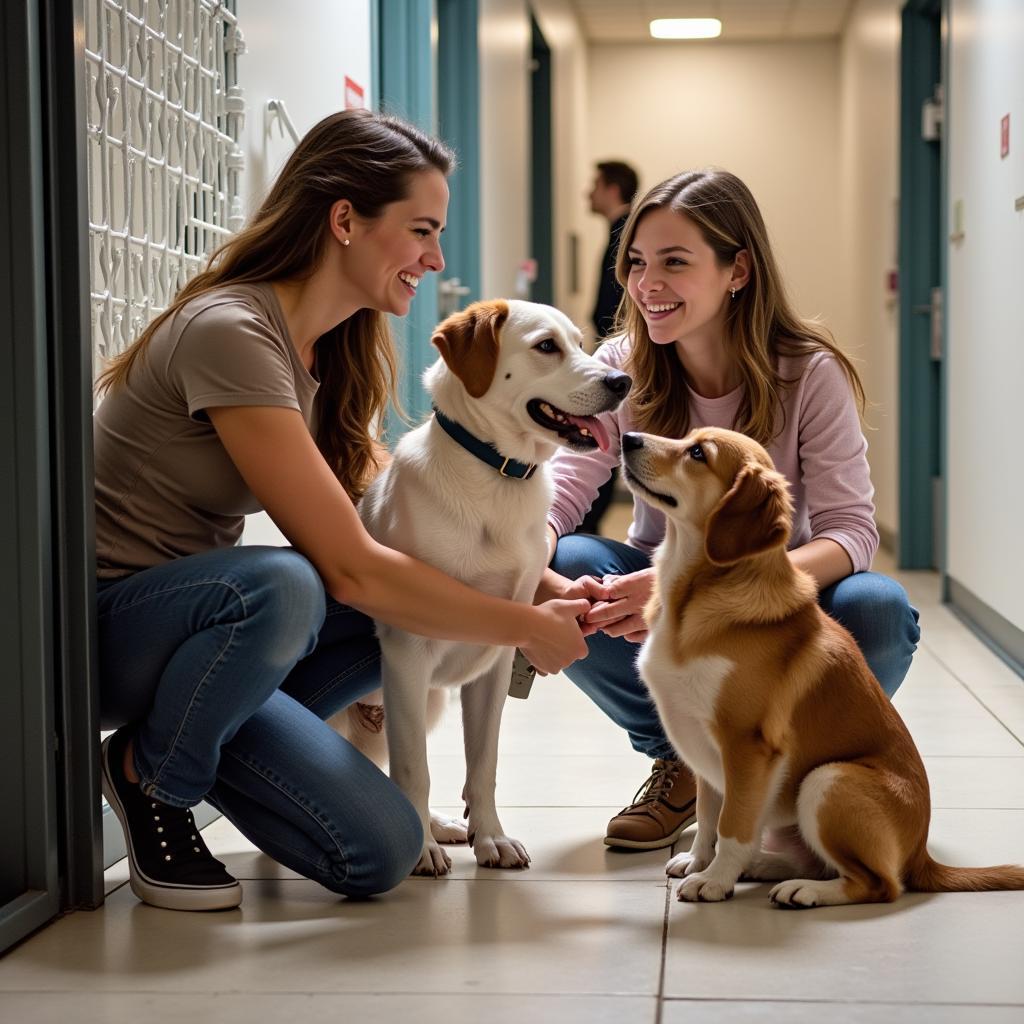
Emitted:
<point x="46" y="534"/>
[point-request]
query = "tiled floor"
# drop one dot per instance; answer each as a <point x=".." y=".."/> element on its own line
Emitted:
<point x="585" y="934"/>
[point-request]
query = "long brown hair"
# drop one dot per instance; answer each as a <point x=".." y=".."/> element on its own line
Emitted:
<point x="760" y="323"/>
<point x="367" y="158"/>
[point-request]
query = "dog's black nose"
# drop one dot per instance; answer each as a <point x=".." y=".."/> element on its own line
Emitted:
<point x="630" y="441"/>
<point x="618" y="383"/>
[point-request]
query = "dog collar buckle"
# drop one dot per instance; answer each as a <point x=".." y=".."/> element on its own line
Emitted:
<point x="531" y="468"/>
<point x="511" y="469"/>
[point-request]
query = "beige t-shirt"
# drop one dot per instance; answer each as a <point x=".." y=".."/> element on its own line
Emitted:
<point x="165" y="485"/>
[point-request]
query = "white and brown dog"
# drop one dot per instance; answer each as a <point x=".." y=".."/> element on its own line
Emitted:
<point x="468" y="492"/>
<point x="770" y="701"/>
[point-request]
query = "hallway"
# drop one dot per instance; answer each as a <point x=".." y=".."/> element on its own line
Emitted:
<point x="584" y="935"/>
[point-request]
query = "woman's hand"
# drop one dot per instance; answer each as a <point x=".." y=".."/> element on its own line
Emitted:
<point x="278" y="459"/>
<point x="621" y="612"/>
<point x="556" y="641"/>
<point x="552" y="584"/>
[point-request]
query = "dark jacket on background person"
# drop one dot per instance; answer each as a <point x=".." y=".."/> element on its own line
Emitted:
<point x="609" y="292"/>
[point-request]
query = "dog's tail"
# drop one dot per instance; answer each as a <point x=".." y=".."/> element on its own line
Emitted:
<point x="927" y="875"/>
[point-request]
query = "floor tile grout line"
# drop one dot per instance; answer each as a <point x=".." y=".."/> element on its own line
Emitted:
<point x="935" y="654"/>
<point x="972" y="757"/>
<point x="975" y="807"/>
<point x="1019" y="739"/>
<point x="335" y="993"/>
<point x="659" y="1005"/>
<point x="444" y="993"/>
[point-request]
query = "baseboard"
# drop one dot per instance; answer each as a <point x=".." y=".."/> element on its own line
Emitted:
<point x="1000" y="635"/>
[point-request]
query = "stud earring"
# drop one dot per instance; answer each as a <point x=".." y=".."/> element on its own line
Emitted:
<point x="348" y="241"/>
<point x="732" y="292"/>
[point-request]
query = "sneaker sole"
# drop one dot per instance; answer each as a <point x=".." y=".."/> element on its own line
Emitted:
<point x="168" y="897"/>
<point x="649" y="844"/>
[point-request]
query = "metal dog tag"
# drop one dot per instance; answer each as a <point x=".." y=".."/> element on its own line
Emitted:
<point x="522" y="676"/>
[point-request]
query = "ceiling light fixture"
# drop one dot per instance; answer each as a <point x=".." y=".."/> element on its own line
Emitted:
<point x="686" y="28"/>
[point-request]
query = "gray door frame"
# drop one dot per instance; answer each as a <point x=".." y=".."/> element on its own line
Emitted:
<point x="50" y="857"/>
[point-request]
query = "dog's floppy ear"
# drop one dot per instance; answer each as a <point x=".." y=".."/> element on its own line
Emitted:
<point x="754" y="515"/>
<point x="468" y="343"/>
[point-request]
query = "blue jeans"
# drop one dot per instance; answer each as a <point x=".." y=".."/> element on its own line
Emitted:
<point x="872" y="607"/>
<point x="226" y="665"/>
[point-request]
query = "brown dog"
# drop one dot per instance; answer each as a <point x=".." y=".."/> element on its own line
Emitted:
<point x="770" y="701"/>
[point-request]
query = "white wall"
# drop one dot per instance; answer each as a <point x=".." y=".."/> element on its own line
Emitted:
<point x="985" y="318"/>
<point x="767" y="112"/>
<point x="504" y="44"/>
<point x="868" y="313"/>
<point x="299" y="53"/>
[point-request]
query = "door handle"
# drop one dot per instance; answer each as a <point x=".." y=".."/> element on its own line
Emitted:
<point x="449" y="291"/>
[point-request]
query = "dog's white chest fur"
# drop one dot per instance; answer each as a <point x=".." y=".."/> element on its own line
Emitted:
<point x="686" y="694"/>
<point x="443" y="506"/>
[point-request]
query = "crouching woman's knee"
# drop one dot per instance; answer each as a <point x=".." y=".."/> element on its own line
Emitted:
<point x="381" y="854"/>
<point x="581" y="554"/>
<point x="287" y="604"/>
<point x="878" y="613"/>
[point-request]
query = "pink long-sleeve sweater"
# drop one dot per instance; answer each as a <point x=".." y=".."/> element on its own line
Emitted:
<point x="821" y="451"/>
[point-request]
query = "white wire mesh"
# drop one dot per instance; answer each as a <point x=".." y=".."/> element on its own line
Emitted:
<point x="164" y="115"/>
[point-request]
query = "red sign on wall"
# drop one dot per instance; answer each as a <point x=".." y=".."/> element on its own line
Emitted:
<point x="355" y="97"/>
<point x="1004" y="137"/>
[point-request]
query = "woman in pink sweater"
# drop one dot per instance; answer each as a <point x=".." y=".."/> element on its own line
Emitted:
<point x="710" y="339"/>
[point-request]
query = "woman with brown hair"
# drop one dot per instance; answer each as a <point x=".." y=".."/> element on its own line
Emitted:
<point x="710" y="339"/>
<point x="263" y="387"/>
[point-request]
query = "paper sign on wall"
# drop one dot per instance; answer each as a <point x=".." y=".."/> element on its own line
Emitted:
<point x="355" y="96"/>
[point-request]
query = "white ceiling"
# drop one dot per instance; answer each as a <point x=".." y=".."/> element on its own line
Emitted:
<point x="621" y="21"/>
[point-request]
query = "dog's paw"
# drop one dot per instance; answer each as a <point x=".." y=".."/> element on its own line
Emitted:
<point x="500" y="852"/>
<point x="433" y="862"/>
<point x="447" y="830"/>
<point x="702" y="887"/>
<point x="687" y="863"/>
<point x="701" y="857"/>
<point x="801" y="893"/>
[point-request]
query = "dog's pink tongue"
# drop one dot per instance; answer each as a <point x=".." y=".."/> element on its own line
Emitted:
<point x="595" y="426"/>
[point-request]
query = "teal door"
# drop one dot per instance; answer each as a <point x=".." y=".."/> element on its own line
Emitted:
<point x="542" y="212"/>
<point x="404" y="82"/>
<point x="921" y="273"/>
<point x="437" y="90"/>
<point x="458" y="108"/>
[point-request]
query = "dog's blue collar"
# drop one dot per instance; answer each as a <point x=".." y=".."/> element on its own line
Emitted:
<point x="483" y="450"/>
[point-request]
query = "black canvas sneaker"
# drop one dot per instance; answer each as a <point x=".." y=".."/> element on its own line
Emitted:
<point x="168" y="863"/>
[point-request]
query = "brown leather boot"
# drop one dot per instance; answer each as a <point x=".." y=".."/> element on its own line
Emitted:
<point x="663" y="807"/>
